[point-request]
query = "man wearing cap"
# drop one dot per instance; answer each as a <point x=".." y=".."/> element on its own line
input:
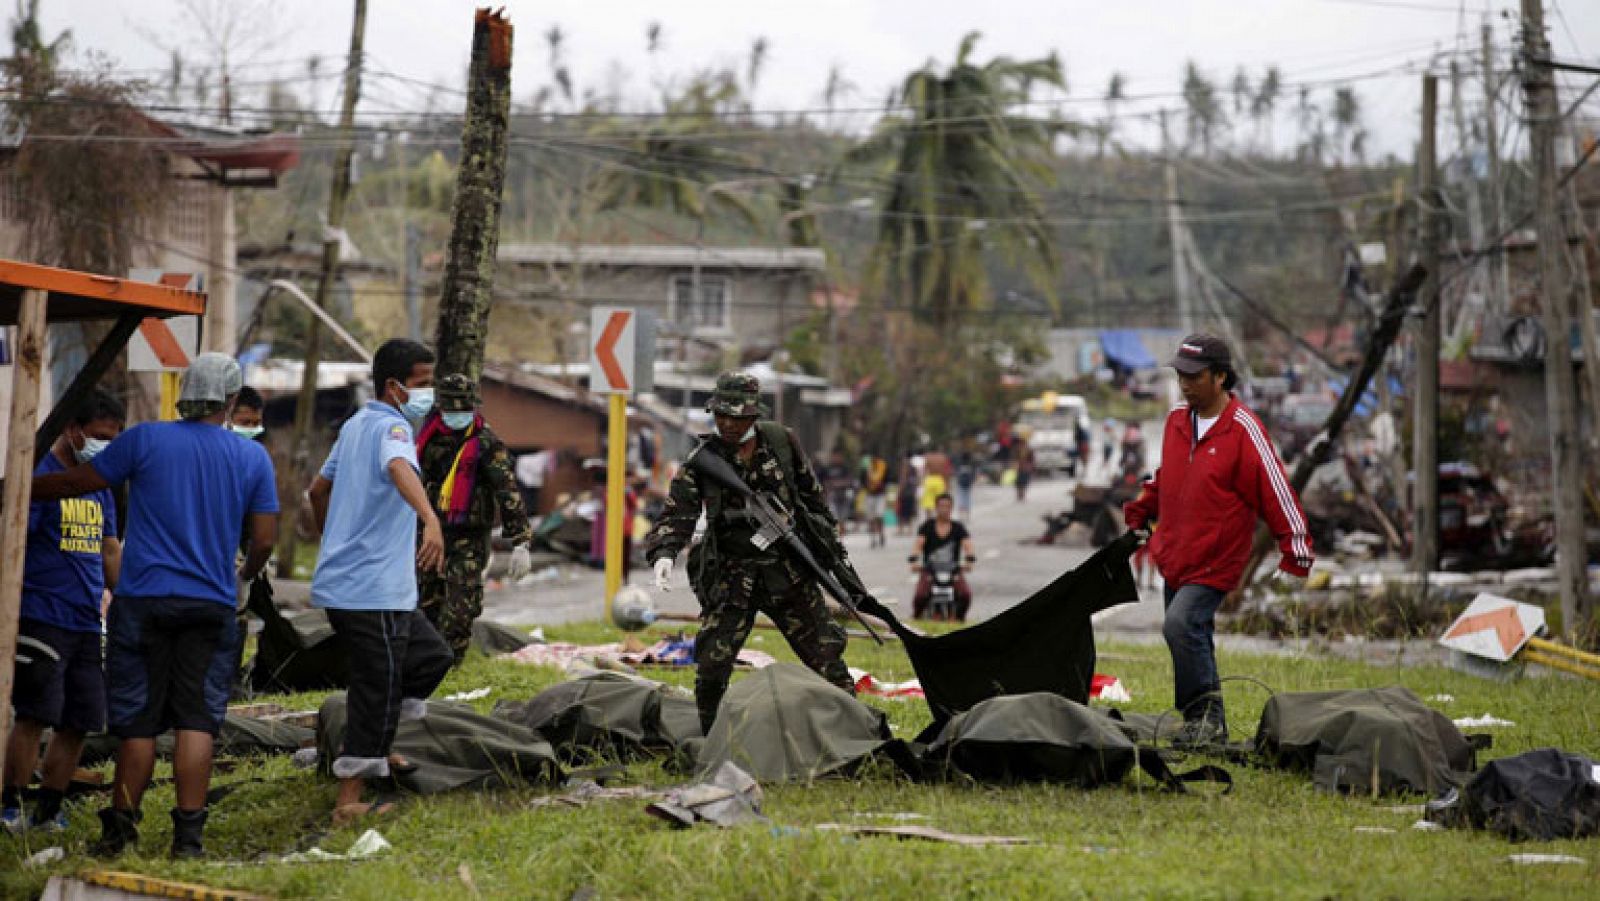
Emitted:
<point x="732" y="577"/>
<point x="169" y="636"/>
<point x="470" y="476"/>
<point x="1218" y="475"/>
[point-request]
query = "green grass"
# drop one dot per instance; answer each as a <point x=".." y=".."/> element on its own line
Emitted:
<point x="1273" y="837"/>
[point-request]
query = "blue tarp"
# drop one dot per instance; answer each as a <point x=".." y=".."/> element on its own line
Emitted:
<point x="1369" y="400"/>
<point x="1124" y="349"/>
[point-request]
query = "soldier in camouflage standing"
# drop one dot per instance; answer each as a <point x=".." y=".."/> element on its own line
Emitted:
<point x="469" y="475"/>
<point x="733" y="579"/>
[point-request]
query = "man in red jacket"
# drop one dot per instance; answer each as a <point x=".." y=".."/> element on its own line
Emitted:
<point x="1218" y="475"/>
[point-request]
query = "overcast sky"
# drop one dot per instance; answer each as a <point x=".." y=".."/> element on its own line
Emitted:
<point x="874" y="42"/>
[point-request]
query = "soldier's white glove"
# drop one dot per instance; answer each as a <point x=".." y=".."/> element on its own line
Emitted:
<point x="520" y="564"/>
<point x="664" y="574"/>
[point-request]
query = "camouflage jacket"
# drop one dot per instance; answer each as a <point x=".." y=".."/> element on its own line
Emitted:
<point x="495" y="487"/>
<point x="686" y="497"/>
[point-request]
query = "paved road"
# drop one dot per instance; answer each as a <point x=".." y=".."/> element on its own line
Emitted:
<point x="1008" y="567"/>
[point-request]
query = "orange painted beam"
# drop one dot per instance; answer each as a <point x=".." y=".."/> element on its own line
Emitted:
<point x="82" y="295"/>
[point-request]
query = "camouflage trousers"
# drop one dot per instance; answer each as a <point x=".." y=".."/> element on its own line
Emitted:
<point x="728" y="613"/>
<point x="453" y="600"/>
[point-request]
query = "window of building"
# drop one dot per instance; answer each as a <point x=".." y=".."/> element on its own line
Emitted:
<point x="707" y="311"/>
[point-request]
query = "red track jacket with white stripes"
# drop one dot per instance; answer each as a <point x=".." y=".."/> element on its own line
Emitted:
<point x="1207" y="495"/>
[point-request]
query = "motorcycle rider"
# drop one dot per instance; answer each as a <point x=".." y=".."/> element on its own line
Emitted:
<point x="937" y="545"/>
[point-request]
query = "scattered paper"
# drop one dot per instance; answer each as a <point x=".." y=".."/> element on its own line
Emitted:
<point x="1442" y="699"/>
<point x="1481" y="722"/>
<point x="472" y="695"/>
<point x="890" y="816"/>
<point x="1545" y="858"/>
<point x="1407" y="809"/>
<point x="928" y="833"/>
<point x="48" y="855"/>
<point x="1374" y="830"/>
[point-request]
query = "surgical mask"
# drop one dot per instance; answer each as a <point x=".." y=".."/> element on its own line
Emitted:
<point x="247" y="431"/>
<point x="456" y="420"/>
<point x="91" y="448"/>
<point x="418" y="403"/>
<point x="748" y="433"/>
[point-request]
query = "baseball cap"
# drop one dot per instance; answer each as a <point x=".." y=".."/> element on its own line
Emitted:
<point x="1200" y="352"/>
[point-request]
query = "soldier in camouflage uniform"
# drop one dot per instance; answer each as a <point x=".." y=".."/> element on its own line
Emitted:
<point x="468" y="474"/>
<point x="732" y="578"/>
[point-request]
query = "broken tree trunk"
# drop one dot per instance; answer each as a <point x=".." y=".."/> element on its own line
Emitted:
<point x="1383" y="335"/>
<point x="462" y="334"/>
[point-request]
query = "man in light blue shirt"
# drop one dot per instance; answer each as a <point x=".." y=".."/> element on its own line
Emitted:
<point x="367" y="500"/>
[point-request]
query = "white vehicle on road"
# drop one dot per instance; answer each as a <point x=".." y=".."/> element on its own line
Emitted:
<point x="1050" y="423"/>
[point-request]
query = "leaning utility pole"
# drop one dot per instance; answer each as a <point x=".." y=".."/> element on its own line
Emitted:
<point x="332" y="237"/>
<point x="1499" y="278"/>
<point x="1473" y="294"/>
<point x="1425" y="434"/>
<point x="1180" y="270"/>
<point x="1566" y="467"/>
<point x="463" y="331"/>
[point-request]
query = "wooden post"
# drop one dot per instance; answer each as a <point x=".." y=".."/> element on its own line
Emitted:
<point x="1499" y="278"/>
<point x="306" y="405"/>
<point x="85" y="381"/>
<point x="27" y="368"/>
<point x="1566" y="469"/>
<point x="463" y="330"/>
<point x="1425" y="405"/>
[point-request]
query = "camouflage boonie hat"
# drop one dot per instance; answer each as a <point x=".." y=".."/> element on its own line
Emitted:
<point x="456" y="392"/>
<point x="737" y="394"/>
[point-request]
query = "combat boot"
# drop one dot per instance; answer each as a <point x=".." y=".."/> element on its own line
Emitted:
<point x="187" y="828"/>
<point x="118" y="830"/>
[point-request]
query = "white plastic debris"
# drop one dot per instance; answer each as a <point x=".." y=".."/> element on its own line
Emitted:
<point x="370" y="844"/>
<point x="1427" y="826"/>
<point x="472" y="695"/>
<point x="1526" y="859"/>
<point x="48" y="855"/>
<point x="305" y="758"/>
<point x="1486" y="721"/>
<point x="1442" y="699"/>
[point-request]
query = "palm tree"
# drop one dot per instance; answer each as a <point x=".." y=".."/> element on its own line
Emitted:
<point x="1265" y="103"/>
<point x="662" y="165"/>
<point x="962" y="171"/>
<point x="1346" y="118"/>
<point x="1241" y="93"/>
<point x="1116" y="92"/>
<point x="1203" y="113"/>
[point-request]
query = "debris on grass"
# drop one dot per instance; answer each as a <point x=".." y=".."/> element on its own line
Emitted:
<point x="1374" y="830"/>
<point x="731" y="797"/>
<point x="47" y="856"/>
<point x="370" y="844"/>
<point x="1487" y="721"/>
<point x="928" y="833"/>
<point x="472" y="695"/>
<point x="1427" y="826"/>
<point x="1536" y="859"/>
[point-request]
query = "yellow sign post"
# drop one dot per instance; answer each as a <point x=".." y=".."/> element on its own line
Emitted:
<point x="169" y="395"/>
<point x="611" y="362"/>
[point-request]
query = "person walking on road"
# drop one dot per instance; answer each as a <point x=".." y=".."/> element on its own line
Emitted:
<point x="1218" y="475"/>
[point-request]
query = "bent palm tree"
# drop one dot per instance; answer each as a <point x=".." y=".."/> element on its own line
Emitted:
<point x="962" y="172"/>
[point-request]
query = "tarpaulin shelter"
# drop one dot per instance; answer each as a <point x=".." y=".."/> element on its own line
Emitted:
<point x="30" y="297"/>
<point x="1124" y="349"/>
<point x="1044" y="643"/>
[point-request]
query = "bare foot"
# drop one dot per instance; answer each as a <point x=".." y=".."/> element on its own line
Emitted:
<point x="346" y="814"/>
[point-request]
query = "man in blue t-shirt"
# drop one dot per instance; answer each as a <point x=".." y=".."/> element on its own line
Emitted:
<point x="72" y="557"/>
<point x="190" y="484"/>
<point x="367" y="501"/>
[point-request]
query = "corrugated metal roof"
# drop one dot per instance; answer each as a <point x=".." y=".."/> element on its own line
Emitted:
<point x="666" y="256"/>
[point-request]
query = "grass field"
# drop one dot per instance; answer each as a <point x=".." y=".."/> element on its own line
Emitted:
<point x="1274" y="836"/>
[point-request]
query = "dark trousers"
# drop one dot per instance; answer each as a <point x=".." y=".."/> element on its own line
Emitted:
<point x="394" y="654"/>
<point x="1188" y="629"/>
<point x="924" y="595"/>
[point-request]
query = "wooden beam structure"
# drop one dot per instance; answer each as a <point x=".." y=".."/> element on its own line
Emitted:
<point x="26" y="374"/>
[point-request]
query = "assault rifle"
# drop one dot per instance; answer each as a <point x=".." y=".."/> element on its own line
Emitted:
<point x="775" y="525"/>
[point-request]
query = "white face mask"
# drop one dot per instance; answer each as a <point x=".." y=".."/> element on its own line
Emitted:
<point x="247" y="431"/>
<point x="748" y="433"/>
<point x="91" y="448"/>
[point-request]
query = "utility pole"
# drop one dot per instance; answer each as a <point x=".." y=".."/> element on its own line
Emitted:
<point x="1499" y="278"/>
<point x="1566" y="467"/>
<point x="1473" y="293"/>
<point x="305" y="406"/>
<point x="1180" y="271"/>
<point x="1425" y="434"/>
<point x="463" y="331"/>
